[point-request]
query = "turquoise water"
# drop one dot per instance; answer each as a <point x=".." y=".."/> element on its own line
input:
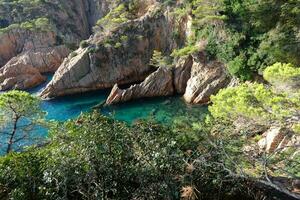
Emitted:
<point x="163" y="109"/>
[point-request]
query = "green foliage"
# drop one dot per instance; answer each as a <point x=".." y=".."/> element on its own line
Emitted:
<point x="246" y="35"/>
<point x="158" y="60"/>
<point x="206" y="11"/>
<point x="97" y="157"/>
<point x="118" y="45"/>
<point x="280" y="72"/>
<point x="84" y="44"/>
<point x="238" y="67"/>
<point x="21" y="173"/>
<point x="115" y="17"/>
<point x="186" y="51"/>
<point x="18" y="102"/>
<point x="73" y="54"/>
<point x="20" y="114"/>
<point x="255" y="102"/>
<point x="39" y="24"/>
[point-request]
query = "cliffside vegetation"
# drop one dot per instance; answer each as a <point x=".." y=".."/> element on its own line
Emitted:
<point x="247" y="147"/>
<point x="247" y="35"/>
<point x="96" y="157"/>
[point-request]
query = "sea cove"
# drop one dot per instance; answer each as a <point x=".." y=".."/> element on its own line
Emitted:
<point x="160" y="108"/>
<point x="149" y="99"/>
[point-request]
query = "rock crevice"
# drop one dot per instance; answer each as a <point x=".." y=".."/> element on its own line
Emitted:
<point x="121" y="61"/>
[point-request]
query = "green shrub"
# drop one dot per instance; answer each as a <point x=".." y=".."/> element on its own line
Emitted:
<point x="280" y="72"/>
<point x="115" y="17"/>
<point x="84" y="44"/>
<point x="188" y="50"/>
<point x="255" y="102"/>
<point x="73" y="54"/>
<point x="118" y="45"/>
<point x="158" y="60"/>
<point x="238" y="67"/>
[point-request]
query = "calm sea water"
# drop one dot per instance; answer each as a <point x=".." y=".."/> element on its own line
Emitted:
<point x="163" y="109"/>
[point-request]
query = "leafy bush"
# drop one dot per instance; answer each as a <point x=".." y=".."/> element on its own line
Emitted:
<point x="115" y="17"/>
<point x="280" y="72"/>
<point x="39" y="24"/>
<point x="188" y="50"/>
<point x="253" y="101"/>
<point x="84" y="44"/>
<point x="158" y="60"/>
<point x="96" y="157"/>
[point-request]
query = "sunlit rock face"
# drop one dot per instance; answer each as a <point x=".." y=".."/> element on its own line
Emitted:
<point x="25" y="70"/>
<point x="27" y="50"/>
<point x="102" y="64"/>
<point x="207" y="78"/>
<point x="159" y="83"/>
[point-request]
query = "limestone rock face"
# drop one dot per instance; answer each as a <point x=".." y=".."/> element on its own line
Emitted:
<point x="103" y="64"/>
<point x="207" y="78"/>
<point x="272" y="138"/>
<point x="17" y="41"/>
<point x="278" y="138"/>
<point x="24" y="71"/>
<point x="182" y="73"/>
<point x="27" y="52"/>
<point x="159" y="83"/>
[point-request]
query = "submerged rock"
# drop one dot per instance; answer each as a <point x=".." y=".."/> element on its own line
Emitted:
<point x="24" y="71"/>
<point x="159" y="83"/>
<point x="207" y="78"/>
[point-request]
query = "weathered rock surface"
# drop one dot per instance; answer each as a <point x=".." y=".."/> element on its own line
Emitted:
<point x="182" y="73"/>
<point x="24" y="71"/>
<point x="277" y="138"/>
<point x="159" y="83"/>
<point x="26" y="52"/>
<point x="207" y="78"/>
<point x="17" y="41"/>
<point x="102" y="65"/>
<point x="272" y="139"/>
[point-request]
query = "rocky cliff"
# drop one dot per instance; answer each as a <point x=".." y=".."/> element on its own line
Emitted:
<point x="116" y="51"/>
<point x="42" y="27"/>
<point x="194" y="76"/>
<point x="120" y="56"/>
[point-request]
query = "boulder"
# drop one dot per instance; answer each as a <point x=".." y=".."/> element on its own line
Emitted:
<point x="17" y="41"/>
<point x="24" y="71"/>
<point x="159" y="83"/>
<point x="207" y="78"/>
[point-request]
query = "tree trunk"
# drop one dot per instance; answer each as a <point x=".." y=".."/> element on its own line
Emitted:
<point x="12" y="135"/>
